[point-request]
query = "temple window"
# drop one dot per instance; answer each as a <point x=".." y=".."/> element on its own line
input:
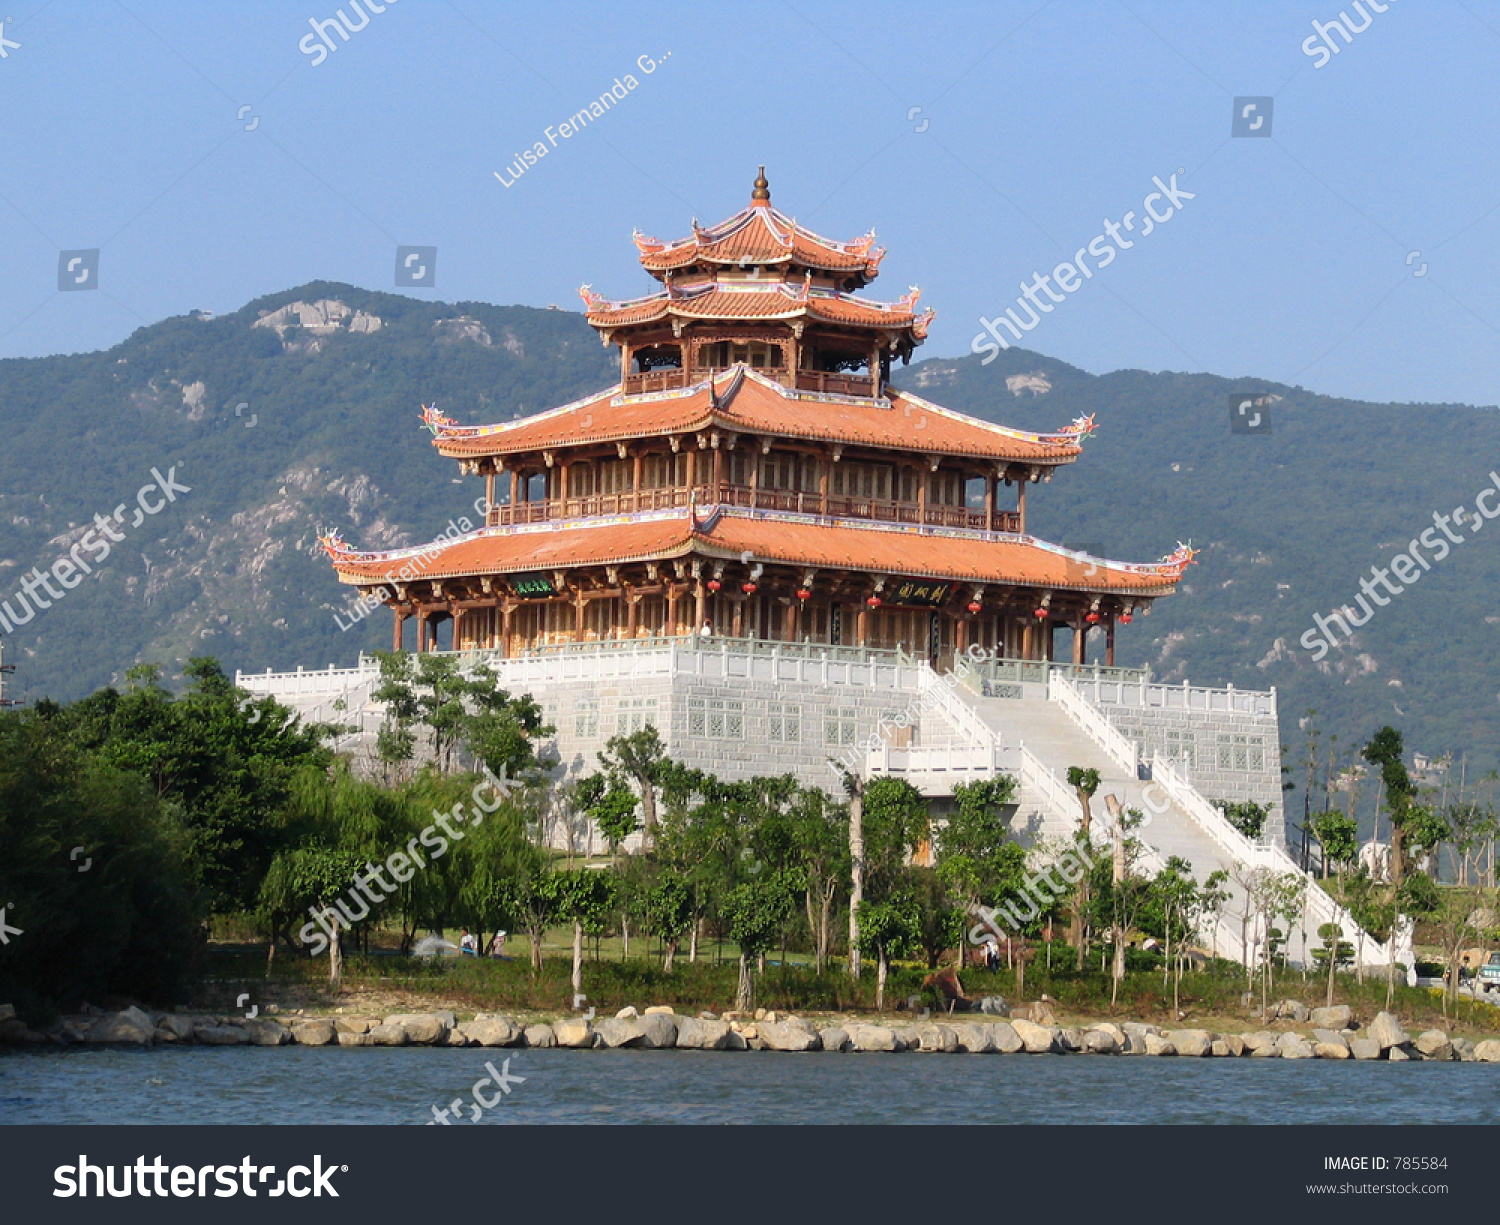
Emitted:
<point x="840" y="725"/>
<point x="635" y="714"/>
<point x="716" y="718"/>
<point x="785" y="724"/>
<point x="586" y="718"/>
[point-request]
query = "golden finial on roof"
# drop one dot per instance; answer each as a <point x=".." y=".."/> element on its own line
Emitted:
<point x="762" y="189"/>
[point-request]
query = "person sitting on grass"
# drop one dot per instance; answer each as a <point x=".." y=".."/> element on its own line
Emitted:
<point x="468" y="944"/>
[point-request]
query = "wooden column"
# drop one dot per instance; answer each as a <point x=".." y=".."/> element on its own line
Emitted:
<point x="1021" y="505"/>
<point x="922" y="475"/>
<point x="822" y="484"/>
<point x="1109" y="643"/>
<point x="489" y="497"/>
<point x="1080" y="639"/>
<point x="718" y="477"/>
<point x="1028" y="640"/>
<point x="578" y="616"/>
<point x="754" y="474"/>
<point x="635" y="479"/>
<point x="875" y="368"/>
<point x="700" y="613"/>
<point x="632" y="605"/>
<point x="670" y="629"/>
<point x="421" y="631"/>
<point x="961" y="635"/>
<point x="862" y="624"/>
<point x="397" y="630"/>
<point x="989" y="503"/>
<point x="692" y="467"/>
<point x="562" y="482"/>
<point x="789" y="622"/>
<point x="505" y="612"/>
<point x="515" y="492"/>
<point x="458" y="621"/>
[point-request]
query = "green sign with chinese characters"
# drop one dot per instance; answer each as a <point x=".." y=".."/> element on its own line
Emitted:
<point x="532" y="586"/>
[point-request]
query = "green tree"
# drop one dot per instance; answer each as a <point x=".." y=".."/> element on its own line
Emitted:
<point x="890" y="928"/>
<point x="640" y="758"/>
<point x="756" y="911"/>
<point x="1085" y="782"/>
<point x="1338" y="836"/>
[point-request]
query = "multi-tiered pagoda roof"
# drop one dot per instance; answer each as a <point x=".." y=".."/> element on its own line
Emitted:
<point x="754" y="473"/>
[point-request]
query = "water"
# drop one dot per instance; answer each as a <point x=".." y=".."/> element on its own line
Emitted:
<point x="325" y="1085"/>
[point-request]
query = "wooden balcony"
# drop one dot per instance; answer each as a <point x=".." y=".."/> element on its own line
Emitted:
<point x="640" y="384"/>
<point x="836" y="506"/>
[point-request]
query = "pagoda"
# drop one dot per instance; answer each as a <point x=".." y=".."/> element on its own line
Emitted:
<point x="754" y="474"/>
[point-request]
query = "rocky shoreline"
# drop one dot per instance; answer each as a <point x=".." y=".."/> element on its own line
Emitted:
<point x="1028" y="1029"/>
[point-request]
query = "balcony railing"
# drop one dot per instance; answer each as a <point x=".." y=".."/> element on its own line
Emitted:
<point x="799" y="502"/>
<point x="674" y="379"/>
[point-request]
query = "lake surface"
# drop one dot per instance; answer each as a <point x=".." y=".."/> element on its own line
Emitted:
<point x="259" y="1085"/>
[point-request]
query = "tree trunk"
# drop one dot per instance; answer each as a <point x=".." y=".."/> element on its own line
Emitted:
<point x="856" y="871"/>
<point x="671" y="956"/>
<point x="744" y="999"/>
<point x="693" y="942"/>
<point x="825" y="906"/>
<point x="648" y="810"/>
<point x="577" y="957"/>
<point x="1333" y="961"/>
<point x="881" y="969"/>
<point x="336" y="959"/>
<point x="536" y="949"/>
<point x="624" y="937"/>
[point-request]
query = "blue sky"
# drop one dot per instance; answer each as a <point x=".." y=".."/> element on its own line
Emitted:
<point x="1294" y="260"/>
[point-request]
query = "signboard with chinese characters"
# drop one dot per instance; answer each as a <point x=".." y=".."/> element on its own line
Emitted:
<point x="532" y="586"/>
<point x="920" y="593"/>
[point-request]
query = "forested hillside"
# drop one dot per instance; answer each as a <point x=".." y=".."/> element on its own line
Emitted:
<point x="299" y="412"/>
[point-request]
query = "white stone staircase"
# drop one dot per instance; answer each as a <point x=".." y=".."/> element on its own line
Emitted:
<point x="1051" y="727"/>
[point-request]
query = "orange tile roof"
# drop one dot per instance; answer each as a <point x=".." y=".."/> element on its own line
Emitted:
<point x="762" y="235"/>
<point x="791" y="540"/>
<point x="773" y="300"/>
<point x="751" y="403"/>
<point x="512" y="550"/>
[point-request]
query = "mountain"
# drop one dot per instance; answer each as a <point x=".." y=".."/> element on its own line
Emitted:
<point x="299" y="413"/>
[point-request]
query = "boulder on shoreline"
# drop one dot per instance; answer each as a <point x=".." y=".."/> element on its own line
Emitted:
<point x="1338" y="1016"/>
<point x="1386" y="1030"/>
<point x="423" y="1028"/>
<point x="575" y="1034"/>
<point x="1036" y="1038"/>
<point x="221" y="1035"/>
<point x="312" y="1033"/>
<point x="874" y="1038"/>
<point x="697" y="1034"/>
<point x="833" y="1038"/>
<point x="131" y="1025"/>
<point x="540" y="1037"/>
<point x="1434" y="1045"/>
<point x="792" y="1034"/>
<point x="491" y="1031"/>
<point x="388" y="1035"/>
<point x="1192" y="1043"/>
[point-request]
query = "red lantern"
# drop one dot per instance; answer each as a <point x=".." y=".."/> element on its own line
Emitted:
<point x="748" y="588"/>
<point x="975" y="606"/>
<point x="1092" y="618"/>
<point x="1041" y="614"/>
<point x="714" y="584"/>
<point x="1124" y="618"/>
<point x="803" y="593"/>
<point x="873" y="601"/>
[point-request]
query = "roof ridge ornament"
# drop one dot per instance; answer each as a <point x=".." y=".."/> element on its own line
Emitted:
<point x="591" y="300"/>
<point x="761" y="189"/>
<point x="1079" y="429"/>
<point x="1178" y="560"/>
<point x="434" y="420"/>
